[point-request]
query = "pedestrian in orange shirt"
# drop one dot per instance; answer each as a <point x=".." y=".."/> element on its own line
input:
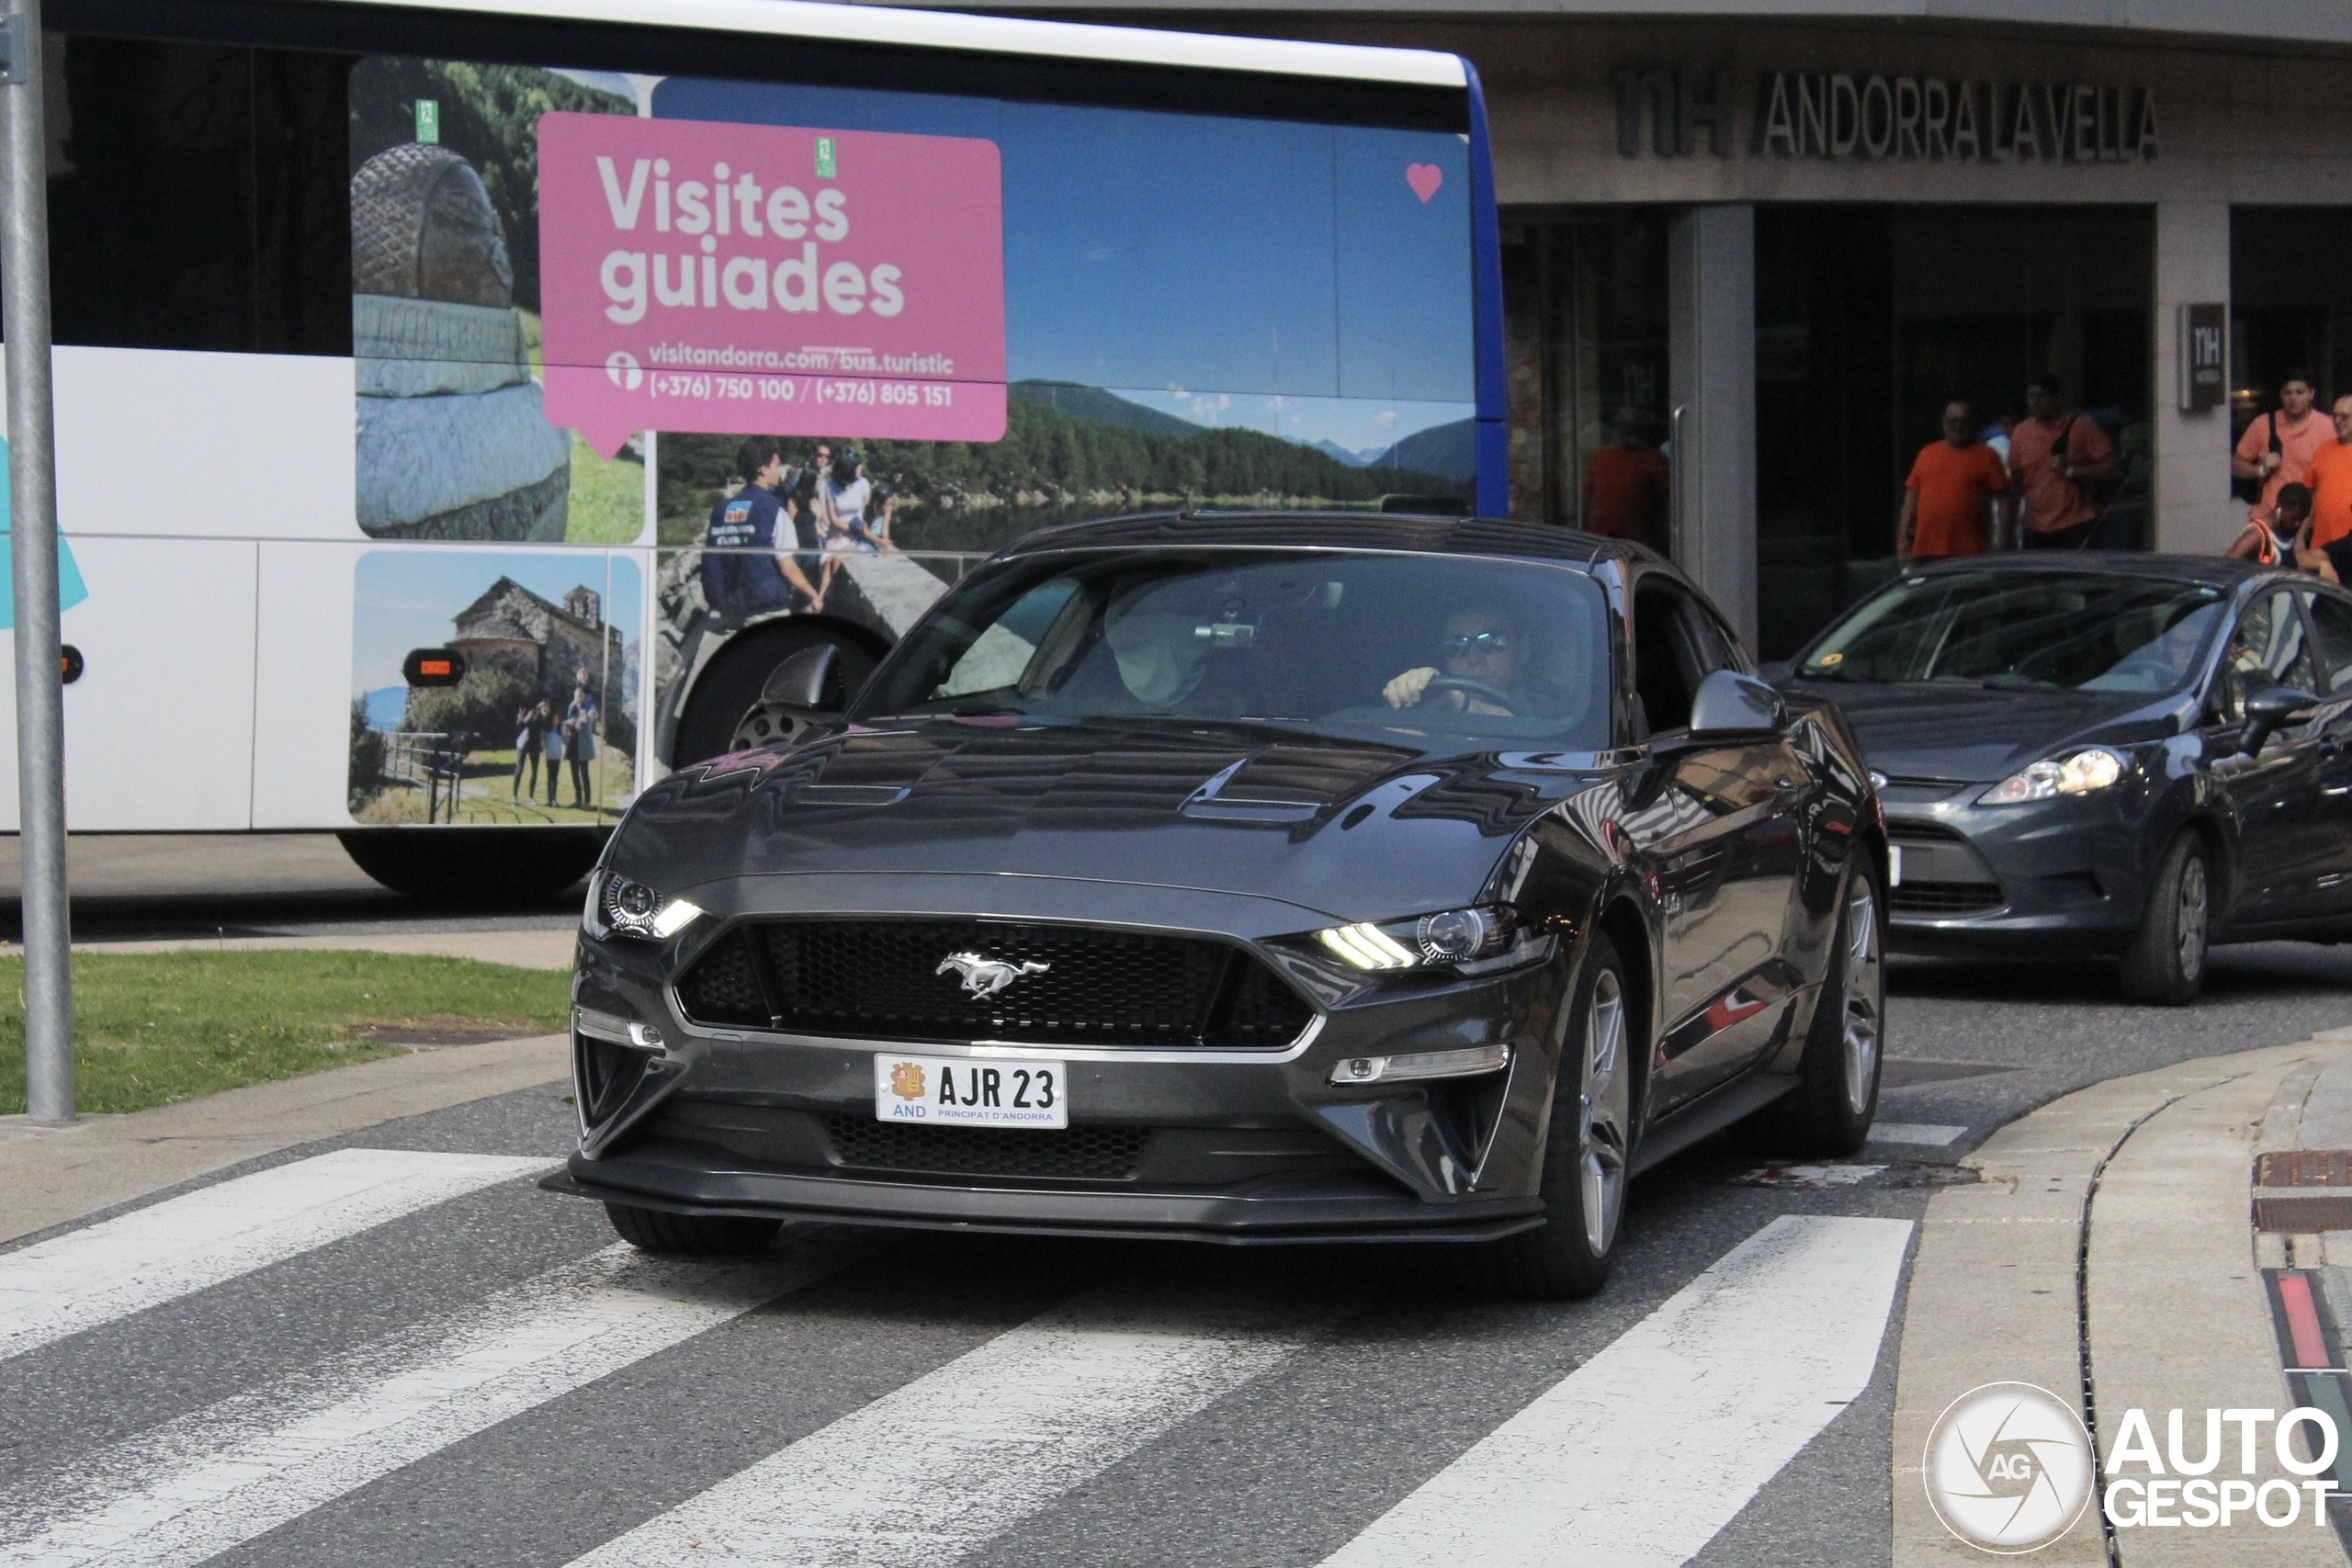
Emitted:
<point x="2331" y="481"/>
<point x="1955" y="485"/>
<point x="1625" y="484"/>
<point x="2277" y="448"/>
<point x="2053" y="453"/>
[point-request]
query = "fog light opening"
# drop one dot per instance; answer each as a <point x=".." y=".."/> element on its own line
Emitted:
<point x="1460" y="1064"/>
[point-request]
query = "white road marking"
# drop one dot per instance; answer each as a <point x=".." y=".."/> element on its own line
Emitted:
<point x="1638" y="1457"/>
<point x="1929" y="1134"/>
<point x="205" y="1482"/>
<point x="140" y="1259"/>
<point x="958" y="1456"/>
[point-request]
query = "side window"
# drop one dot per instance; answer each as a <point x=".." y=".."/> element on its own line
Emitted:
<point x="1668" y="665"/>
<point x="198" y="196"/>
<point x="2267" y="650"/>
<point x="2332" y="618"/>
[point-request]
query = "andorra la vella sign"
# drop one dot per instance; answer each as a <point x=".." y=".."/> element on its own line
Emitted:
<point x="1841" y="116"/>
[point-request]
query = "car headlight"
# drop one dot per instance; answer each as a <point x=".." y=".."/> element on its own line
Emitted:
<point x="2092" y="769"/>
<point x="622" y="906"/>
<point x="1470" y="941"/>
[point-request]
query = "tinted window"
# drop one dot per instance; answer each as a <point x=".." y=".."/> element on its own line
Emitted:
<point x="2086" y="631"/>
<point x="198" y="197"/>
<point x="1674" y="649"/>
<point x="2267" y="650"/>
<point x="2333" y="619"/>
<point x="1425" y="645"/>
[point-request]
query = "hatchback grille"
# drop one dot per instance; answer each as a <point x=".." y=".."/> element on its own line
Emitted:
<point x="1084" y="1154"/>
<point x="889" y="980"/>
<point x="1946" y="897"/>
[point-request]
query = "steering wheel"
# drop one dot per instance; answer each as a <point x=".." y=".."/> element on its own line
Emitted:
<point x="1477" y="689"/>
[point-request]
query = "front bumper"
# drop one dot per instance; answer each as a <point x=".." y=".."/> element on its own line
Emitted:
<point x="2059" y="878"/>
<point x="1227" y="1145"/>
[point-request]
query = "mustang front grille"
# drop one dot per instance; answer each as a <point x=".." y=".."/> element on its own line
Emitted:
<point x="957" y="980"/>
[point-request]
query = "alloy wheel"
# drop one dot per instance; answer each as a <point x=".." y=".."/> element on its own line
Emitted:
<point x="1604" y="1111"/>
<point x="2191" y="917"/>
<point x="1865" y="997"/>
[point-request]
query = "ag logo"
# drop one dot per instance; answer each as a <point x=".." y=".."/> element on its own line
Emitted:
<point x="2008" y="1467"/>
<point x="906" y="1080"/>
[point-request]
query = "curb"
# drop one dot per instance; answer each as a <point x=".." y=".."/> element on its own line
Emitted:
<point x="2123" y="1206"/>
<point x="55" y="1175"/>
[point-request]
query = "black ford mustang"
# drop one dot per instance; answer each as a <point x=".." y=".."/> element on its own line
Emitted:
<point x="1243" y="878"/>
<point x="2126" y="755"/>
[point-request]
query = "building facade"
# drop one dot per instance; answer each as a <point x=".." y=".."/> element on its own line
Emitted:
<point x="1772" y="243"/>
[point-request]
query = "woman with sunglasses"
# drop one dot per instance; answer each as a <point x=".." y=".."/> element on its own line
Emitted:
<point x="1480" y="648"/>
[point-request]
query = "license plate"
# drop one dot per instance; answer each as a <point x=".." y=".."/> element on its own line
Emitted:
<point x="1894" y="865"/>
<point x="963" y="1092"/>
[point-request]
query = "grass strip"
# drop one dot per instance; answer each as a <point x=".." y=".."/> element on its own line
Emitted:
<point x="154" y="1028"/>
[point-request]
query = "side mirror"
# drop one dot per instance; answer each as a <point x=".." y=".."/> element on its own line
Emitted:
<point x="809" y="680"/>
<point x="2268" y="710"/>
<point x="1729" y="702"/>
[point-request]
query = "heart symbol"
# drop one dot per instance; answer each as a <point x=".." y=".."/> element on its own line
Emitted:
<point x="1424" y="178"/>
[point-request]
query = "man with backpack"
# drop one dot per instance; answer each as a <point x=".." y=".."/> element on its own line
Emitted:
<point x="2277" y="449"/>
<point x="2058" y="460"/>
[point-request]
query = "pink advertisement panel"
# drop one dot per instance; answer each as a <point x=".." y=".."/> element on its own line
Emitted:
<point x="711" y="276"/>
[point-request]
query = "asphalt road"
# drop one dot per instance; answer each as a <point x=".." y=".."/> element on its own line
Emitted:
<point x="479" y="1379"/>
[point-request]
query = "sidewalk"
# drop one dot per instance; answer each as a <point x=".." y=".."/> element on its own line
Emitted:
<point x="550" y="948"/>
<point x="53" y="1174"/>
<point x="2110" y="1244"/>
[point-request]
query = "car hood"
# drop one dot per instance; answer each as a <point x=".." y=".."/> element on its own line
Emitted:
<point x="1968" y="734"/>
<point x="1354" y="828"/>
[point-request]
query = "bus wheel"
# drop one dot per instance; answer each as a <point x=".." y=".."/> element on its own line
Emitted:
<point x="729" y="686"/>
<point x="476" y="867"/>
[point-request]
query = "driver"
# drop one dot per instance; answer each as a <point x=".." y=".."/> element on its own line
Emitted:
<point x="1483" y="648"/>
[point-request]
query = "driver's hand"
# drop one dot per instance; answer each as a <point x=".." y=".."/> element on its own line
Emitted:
<point x="1406" y="689"/>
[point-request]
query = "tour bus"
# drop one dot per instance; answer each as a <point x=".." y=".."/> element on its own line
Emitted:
<point x="463" y="406"/>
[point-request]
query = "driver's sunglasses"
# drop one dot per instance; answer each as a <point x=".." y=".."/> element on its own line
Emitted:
<point x="1485" y="642"/>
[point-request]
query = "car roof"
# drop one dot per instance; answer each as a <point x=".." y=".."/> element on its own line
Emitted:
<point x="1341" y="530"/>
<point x="2217" y="572"/>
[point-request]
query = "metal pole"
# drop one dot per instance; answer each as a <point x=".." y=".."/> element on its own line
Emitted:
<point x="33" y="509"/>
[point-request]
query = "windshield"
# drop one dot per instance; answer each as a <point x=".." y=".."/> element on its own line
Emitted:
<point x="1420" y="644"/>
<point x="2037" y="631"/>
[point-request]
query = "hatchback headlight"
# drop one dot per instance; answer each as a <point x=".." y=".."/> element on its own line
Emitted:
<point x="1471" y="941"/>
<point x="2086" y="772"/>
<point x="622" y="906"/>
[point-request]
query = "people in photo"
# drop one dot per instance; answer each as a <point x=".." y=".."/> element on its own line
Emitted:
<point x="1955" y="501"/>
<point x="530" y="740"/>
<point x="2277" y="447"/>
<point x="580" y="742"/>
<point x="2283" y="537"/>
<point x="1479" y="649"/>
<point x="2056" y="457"/>
<point x="559" y="734"/>
<point x="741" y="574"/>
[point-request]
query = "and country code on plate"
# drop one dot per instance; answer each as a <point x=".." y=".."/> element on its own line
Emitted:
<point x="961" y="1092"/>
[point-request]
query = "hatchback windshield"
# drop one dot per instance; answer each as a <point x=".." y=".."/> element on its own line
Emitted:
<point x="2036" y="631"/>
<point x="1492" y="651"/>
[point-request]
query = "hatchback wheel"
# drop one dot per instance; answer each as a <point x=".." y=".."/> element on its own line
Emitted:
<point x="1588" y="1157"/>
<point x="2165" y="962"/>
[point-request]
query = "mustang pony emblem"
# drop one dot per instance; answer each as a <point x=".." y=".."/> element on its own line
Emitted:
<point x="987" y="976"/>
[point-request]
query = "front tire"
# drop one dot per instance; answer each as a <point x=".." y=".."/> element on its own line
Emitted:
<point x="1829" y="1113"/>
<point x="2165" y="965"/>
<point x="1588" y="1152"/>
<point x="691" y="1236"/>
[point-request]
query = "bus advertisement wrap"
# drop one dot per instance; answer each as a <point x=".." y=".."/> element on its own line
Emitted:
<point x="843" y="282"/>
<point x="491" y="359"/>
